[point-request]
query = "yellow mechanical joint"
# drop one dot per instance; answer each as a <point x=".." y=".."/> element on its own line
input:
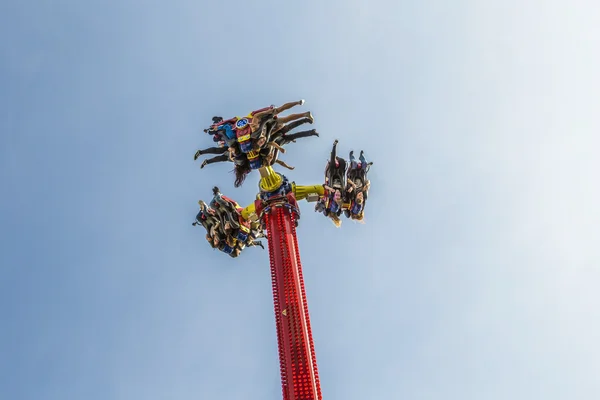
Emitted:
<point x="270" y="180"/>
<point x="249" y="212"/>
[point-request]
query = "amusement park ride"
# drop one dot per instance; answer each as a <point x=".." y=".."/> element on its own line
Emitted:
<point x="275" y="214"/>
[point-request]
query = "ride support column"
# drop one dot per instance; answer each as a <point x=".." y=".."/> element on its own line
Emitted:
<point x="299" y="373"/>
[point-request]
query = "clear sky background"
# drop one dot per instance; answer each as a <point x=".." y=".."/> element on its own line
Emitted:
<point x="474" y="278"/>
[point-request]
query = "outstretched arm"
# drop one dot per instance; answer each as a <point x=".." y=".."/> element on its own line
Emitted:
<point x="333" y="154"/>
<point x="275" y="145"/>
<point x="283" y="164"/>
<point x="352" y="186"/>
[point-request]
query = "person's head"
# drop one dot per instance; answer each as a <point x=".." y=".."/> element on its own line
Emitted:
<point x="215" y="191"/>
<point x="202" y="205"/>
<point x="241" y="170"/>
<point x="337" y="196"/>
<point x="359" y="198"/>
<point x="216" y="120"/>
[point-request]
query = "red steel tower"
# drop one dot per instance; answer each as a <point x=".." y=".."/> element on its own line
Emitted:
<point x="278" y="212"/>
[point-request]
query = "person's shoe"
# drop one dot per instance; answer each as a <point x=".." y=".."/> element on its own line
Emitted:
<point x="301" y="102"/>
<point x="203" y="164"/>
<point x="315" y="133"/>
<point x="310" y="118"/>
<point x="198" y="153"/>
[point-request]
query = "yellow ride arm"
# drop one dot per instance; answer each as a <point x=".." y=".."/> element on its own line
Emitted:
<point x="302" y="192"/>
<point x="249" y="212"/>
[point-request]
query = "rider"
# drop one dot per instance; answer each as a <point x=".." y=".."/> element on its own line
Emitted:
<point x="273" y="111"/>
<point x="222" y="130"/>
<point x="334" y="200"/>
<point x="206" y="217"/>
<point x="330" y="205"/>
<point x="358" y="170"/>
<point x="215" y="235"/>
<point x="253" y="126"/>
<point x="358" y="186"/>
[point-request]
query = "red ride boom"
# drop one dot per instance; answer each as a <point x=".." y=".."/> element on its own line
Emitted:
<point x="299" y="374"/>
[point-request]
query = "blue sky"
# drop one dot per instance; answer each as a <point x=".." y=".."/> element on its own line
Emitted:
<point x="475" y="276"/>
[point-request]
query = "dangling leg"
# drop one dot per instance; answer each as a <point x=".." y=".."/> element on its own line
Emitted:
<point x="302" y="134"/>
<point x="221" y="158"/>
<point x="353" y="163"/>
<point x="287" y="106"/>
<point x="351" y="173"/>
<point x="285" y="139"/>
<point x="292" y="125"/>
<point x="210" y="150"/>
<point x="293" y="117"/>
<point x="337" y="171"/>
<point x="342" y="170"/>
<point x="362" y="159"/>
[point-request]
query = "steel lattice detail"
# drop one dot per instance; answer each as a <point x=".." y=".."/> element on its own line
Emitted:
<point x="299" y="373"/>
